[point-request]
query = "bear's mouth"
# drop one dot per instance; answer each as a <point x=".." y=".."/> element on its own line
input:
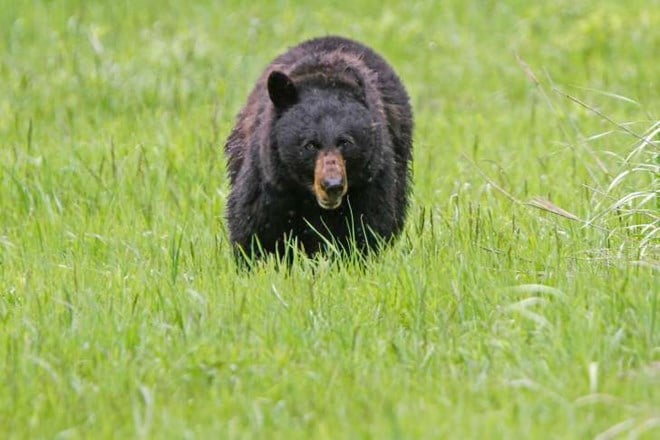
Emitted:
<point x="330" y="182"/>
<point x="329" y="204"/>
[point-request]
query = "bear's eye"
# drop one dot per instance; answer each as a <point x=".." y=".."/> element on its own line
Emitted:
<point x="311" y="145"/>
<point x="344" y="142"/>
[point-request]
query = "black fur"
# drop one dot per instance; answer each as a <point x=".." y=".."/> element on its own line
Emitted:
<point x="324" y="93"/>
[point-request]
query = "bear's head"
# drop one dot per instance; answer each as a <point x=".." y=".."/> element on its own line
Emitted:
<point x="326" y="138"/>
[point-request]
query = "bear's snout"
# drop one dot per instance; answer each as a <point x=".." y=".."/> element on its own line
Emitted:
<point x="333" y="186"/>
<point x="330" y="182"/>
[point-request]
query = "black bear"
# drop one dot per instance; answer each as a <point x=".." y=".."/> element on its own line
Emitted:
<point x="321" y="153"/>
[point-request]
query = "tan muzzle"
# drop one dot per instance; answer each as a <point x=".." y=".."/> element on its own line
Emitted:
<point x="330" y="182"/>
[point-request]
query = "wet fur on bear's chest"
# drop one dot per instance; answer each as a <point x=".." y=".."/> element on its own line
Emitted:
<point x="294" y="218"/>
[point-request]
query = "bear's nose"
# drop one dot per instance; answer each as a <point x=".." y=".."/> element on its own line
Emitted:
<point x="333" y="186"/>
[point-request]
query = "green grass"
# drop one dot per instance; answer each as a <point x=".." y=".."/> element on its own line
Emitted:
<point x="122" y="314"/>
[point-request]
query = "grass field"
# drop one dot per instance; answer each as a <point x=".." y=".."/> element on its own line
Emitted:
<point x="521" y="302"/>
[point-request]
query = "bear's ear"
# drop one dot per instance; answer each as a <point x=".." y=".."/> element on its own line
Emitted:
<point x="281" y="89"/>
<point x="360" y="90"/>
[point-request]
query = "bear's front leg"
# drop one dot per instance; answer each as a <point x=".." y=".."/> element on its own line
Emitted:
<point x="257" y="218"/>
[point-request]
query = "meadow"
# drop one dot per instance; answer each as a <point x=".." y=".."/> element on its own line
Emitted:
<point x="521" y="301"/>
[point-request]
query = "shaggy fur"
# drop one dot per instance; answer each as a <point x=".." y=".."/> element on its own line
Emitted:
<point x="333" y="100"/>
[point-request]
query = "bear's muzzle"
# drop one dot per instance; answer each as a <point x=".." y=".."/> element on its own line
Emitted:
<point x="330" y="182"/>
